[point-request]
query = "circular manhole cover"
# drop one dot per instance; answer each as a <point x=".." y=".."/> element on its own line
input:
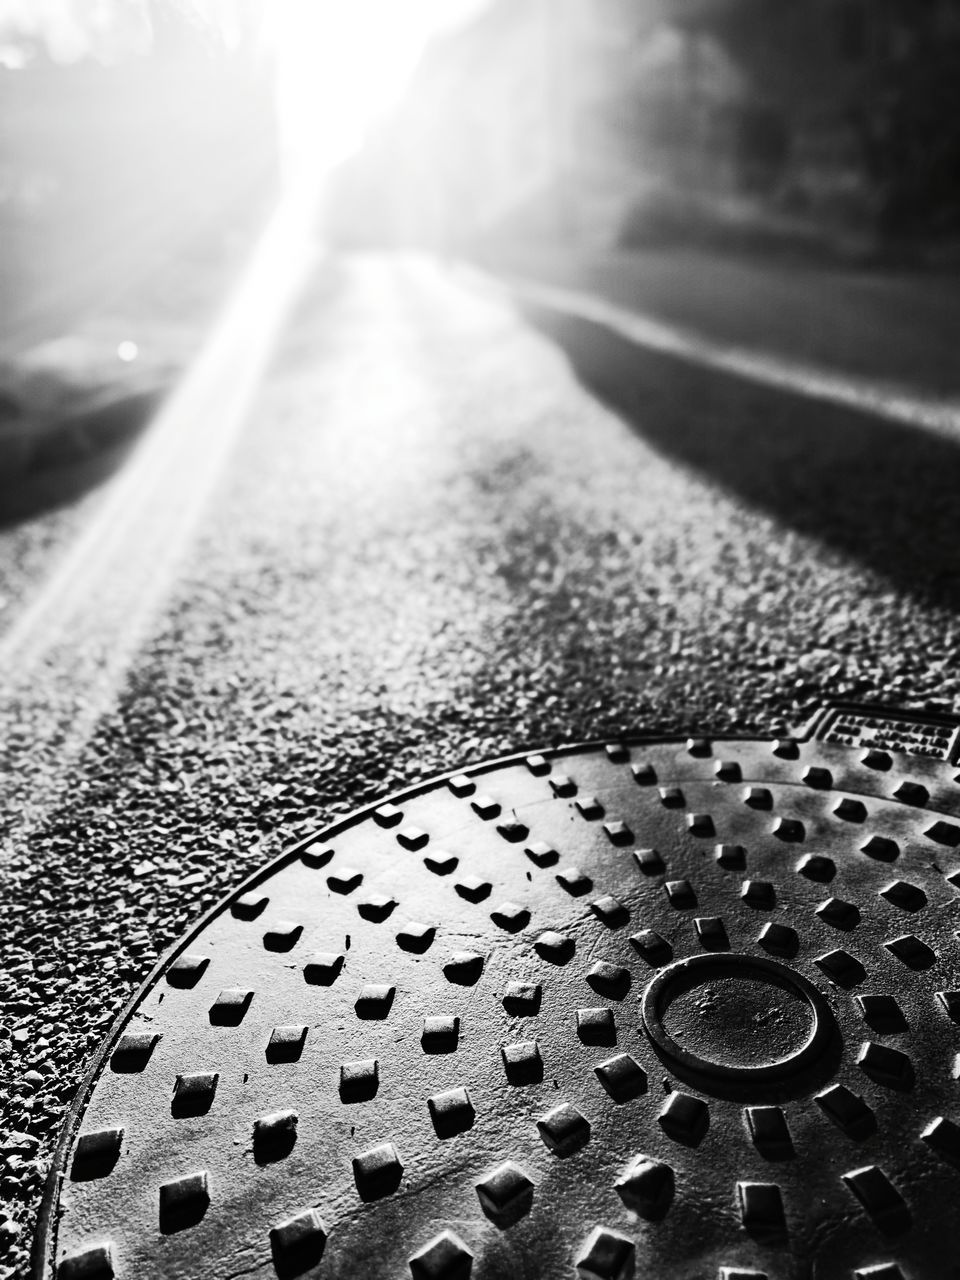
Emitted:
<point x="684" y="1009"/>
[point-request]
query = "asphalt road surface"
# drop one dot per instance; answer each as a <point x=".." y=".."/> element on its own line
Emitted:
<point x="447" y="530"/>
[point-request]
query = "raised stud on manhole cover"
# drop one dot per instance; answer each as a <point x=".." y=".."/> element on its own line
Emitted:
<point x="415" y="1043"/>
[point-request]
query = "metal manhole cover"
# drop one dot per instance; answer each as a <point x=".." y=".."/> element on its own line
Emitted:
<point x="668" y="1008"/>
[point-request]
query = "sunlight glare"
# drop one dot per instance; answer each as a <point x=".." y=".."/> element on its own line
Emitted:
<point x="341" y="65"/>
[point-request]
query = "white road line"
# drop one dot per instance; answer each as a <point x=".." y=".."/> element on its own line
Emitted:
<point x="889" y="400"/>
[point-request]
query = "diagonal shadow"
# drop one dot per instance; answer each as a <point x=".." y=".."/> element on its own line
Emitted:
<point x="884" y="494"/>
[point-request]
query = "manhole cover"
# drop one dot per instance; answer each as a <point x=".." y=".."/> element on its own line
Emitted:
<point x="668" y="1008"/>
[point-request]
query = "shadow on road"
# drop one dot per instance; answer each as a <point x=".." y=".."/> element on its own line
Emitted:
<point x="877" y="491"/>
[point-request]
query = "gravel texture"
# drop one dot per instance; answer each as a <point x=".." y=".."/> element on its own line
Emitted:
<point x="434" y="545"/>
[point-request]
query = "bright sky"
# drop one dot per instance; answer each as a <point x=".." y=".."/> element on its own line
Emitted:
<point x="340" y="63"/>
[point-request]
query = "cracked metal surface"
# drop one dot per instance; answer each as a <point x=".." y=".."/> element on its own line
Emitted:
<point x="684" y="1008"/>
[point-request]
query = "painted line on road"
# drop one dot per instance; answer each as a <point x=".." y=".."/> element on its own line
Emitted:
<point x="889" y="400"/>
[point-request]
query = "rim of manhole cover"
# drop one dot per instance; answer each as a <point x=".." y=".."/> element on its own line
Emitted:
<point x="683" y="1007"/>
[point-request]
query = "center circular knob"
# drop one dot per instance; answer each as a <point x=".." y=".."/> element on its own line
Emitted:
<point x="736" y="1018"/>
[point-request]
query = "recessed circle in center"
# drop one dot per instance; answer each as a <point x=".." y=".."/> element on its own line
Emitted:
<point x="736" y="1018"/>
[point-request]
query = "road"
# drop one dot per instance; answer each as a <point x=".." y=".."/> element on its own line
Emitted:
<point x="448" y="529"/>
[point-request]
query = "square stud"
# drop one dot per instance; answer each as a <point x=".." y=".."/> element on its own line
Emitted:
<point x="542" y="854"/>
<point x="555" y="947"/>
<point x="610" y="911"/>
<point x="843" y="969"/>
<point x="909" y="950"/>
<point x="879" y="1199"/>
<point x="187" y="970"/>
<point x="644" y="774"/>
<point x="377" y="907"/>
<point x="848" y="1111"/>
<point x="622" y="1077"/>
<point x="562" y="785"/>
<point x="388" y="815"/>
<point x="653" y="948"/>
<point x="183" y="1202"/>
<point x="510" y="916"/>
<point x="945" y="833"/>
<point x="606" y="1255"/>
<point x="574" y="881"/>
<point x="377" y="1172"/>
<point x="850" y="810"/>
<point x="790" y="830"/>
<point x="452" y="1112"/>
<point x="873" y="758"/>
<point x="441" y="1033"/>
<point x="886" y="1066"/>
<point x="700" y="824"/>
<point x="315" y="855"/>
<point x="671" y="797"/>
<point x="779" y="940"/>
<point x="732" y="857"/>
<point x="608" y="979"/>
<point x="839" y="914"/>
<point x="818" y="868"/>
<point x="617" y="752"/>
<point x="649" y="862"/>
<point x="445" y="1257"/>
<point x="96" y="1262"/>
<point x="412" y="838"/>
<point x="647" y="1188"/>
<point x="522" y="1062"/>
<point x="359" y="1080"/>
<point x="712" y="933"/>
<point x="769" y="1131"/>
<point x="617" y="832"/>
<point x="589" y="807"/>
<point x="758" y="798"/>
<point x="323" y="968"/>
<point x="344" y="879"/>
<point x="249" y="905"/>
<point x="473" y="888"/>
<point x="881" y="849"/>
<point x="538" y="765"/>
<point x="286" y="1043"/>
<point x="282" y="936"/>
<point x="274" y="1136"/>
<point x="506" y="1194"/>
<point x="96" y="1154"/>
<point x="193" y="1094"/>
<point x="908" y="897"/>
<point x="416" y="937"/>
<point x="761" y="1211"/>
<point x="464" y="968"/>
<point x="681" y="895"/>
<point x="596" y="1026"/>
<point x="462" y="786"/>
<point x="486" y="807"/>
<point x="564" y="1130"/>
<point x="297" y="1243"/>
<point x="440" y="862"/>
<point x="230" y="1007"/>
<point x="685" y="1119"/>
<point x="943" y="1137"/>
<point x="513" y="832"/>
<point x="133" y="1051"/>
<point x="522" y="999"/>
<point x="728" y="771"/>
<point x="883" y="1014"/>
<point x="374" y="1001"/>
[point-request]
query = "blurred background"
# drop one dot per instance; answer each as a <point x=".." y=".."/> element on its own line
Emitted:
<point x="144" y="145"/>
